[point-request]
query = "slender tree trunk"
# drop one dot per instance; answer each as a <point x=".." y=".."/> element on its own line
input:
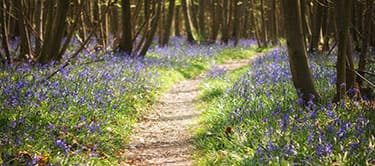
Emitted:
<point x="325" y="29"/>
<point x="301" y="74"/>
<point x="273" y="22"/>
<point x="161" y="23"/>
<point x="342" y="20"/>
<point x="264" y="27"/>
<point x="151" y="34"/>
<point x="54" y="36"/>
<point x="39" y="24"/>
<point x="190" y="38"/>
<point x="237" y="21"/>
<point x="168" y="24"/>
<point x="215" y="21"/>
<point x="305" y="22"/>
<point x="177" y="21"/>
<point x="245" y="29"/>
<point x="316" y="28"/>
<point x="350" y="75"/>
<point x="25" y="49"/>
<point x="4" y="31"/>
<point x="193" y="18"/>
<point x="224" y="27"/>
<point x="365" y="40"/>
<point x="126" y="43"/>
<point x="202" y="22"/>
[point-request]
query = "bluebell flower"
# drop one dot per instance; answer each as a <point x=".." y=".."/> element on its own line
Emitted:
<point x="328" y="149"/>
<point x="319" y="150"/>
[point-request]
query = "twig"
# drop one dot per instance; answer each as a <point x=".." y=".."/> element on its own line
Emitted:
<point x="333" y="47"/>
<point x="366" y="72"/>
<point x="363" y="78"/>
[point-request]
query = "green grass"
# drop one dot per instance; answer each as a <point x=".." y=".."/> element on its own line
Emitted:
<point x="211" y="96"/>
<point x="252" y="117"/>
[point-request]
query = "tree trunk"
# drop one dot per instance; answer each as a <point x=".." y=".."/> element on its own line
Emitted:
<point x="126" y="43"/>
<point x="177" y="22"/>
<point x="190" y="38"/>
<point x="167" y="25"/>
<point x="342" y="21"/>
<point x="161" y="23"/>
<point x="305" y="22"/>
<point x="325" y="29"/>
<point x="54" y="32"/>
<point x="245" y="29"/>
<point x="350" y="75"/>
<point x="273" y="22"/>
<point x="314" y="44"/>
<point x="25" y="49"/>
<point x="237" y="21"/>
<point x="225" y="23"/>
<point x="264" y="27"/>
<point x="301" y="74"/>
<point x="365" y="40"/>
<point x="202" y="22"/>
<point x="215" y="21"/>
<point x="4" y="31"/>
<point x="151" y="34"/>
<point x="193" y="18"/>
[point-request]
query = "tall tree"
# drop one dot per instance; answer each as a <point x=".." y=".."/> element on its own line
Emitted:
<point x="177" y="31"/>
<point x="54" y="32"/>
<point x="202" y="21"/>
<point x="301" y="74"/>
<point x="190" y="38"/>
<point x="22" y="29"/>
<point x="317" y="25"/>
<point x="342" y="21"/>
<point x="366" y="39"/>
<point x="237" y="21"/>
<point x="4" y="31"/>
<point x="154" y="24"/>
<point x="215" y="17"/>
<point x="168" y="24"/>
<point x="264" y="27"/>
<point x="225" y="22"/>
<point x="126" y="43"/>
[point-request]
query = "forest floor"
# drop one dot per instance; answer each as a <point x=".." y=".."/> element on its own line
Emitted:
<point x="163" y="136"/>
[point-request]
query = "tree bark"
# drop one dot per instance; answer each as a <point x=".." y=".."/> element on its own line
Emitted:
<point x="151" y="34"/>
<point x="126" y="43"/>
<point x="264" y="27"/>
<point x="25" y="49"/>
<point x="4" y="31"/>
<point x="215" y="21"/>
<point x="342" y="21"/>
<point x="237" y="21"/>
<point x="301" y="74"/>
<point x="55" y="32"/>
<point x="314" y="44"/>
<point x="190" y="38"/>
<point x="167" y="25"/>
<point x="225" y="23"/>
<point x="202" y="22"/>
<point x="177" y="21"/>
<point x="365" y="40"/>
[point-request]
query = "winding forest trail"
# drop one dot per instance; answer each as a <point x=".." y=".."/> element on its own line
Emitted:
<point x="163" y="137"/>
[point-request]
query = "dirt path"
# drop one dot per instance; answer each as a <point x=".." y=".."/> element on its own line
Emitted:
<point x="163" y="136"/>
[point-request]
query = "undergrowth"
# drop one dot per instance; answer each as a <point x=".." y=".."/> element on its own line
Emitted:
<point x="259" y="120"/>
<point x="85" y="113"/>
